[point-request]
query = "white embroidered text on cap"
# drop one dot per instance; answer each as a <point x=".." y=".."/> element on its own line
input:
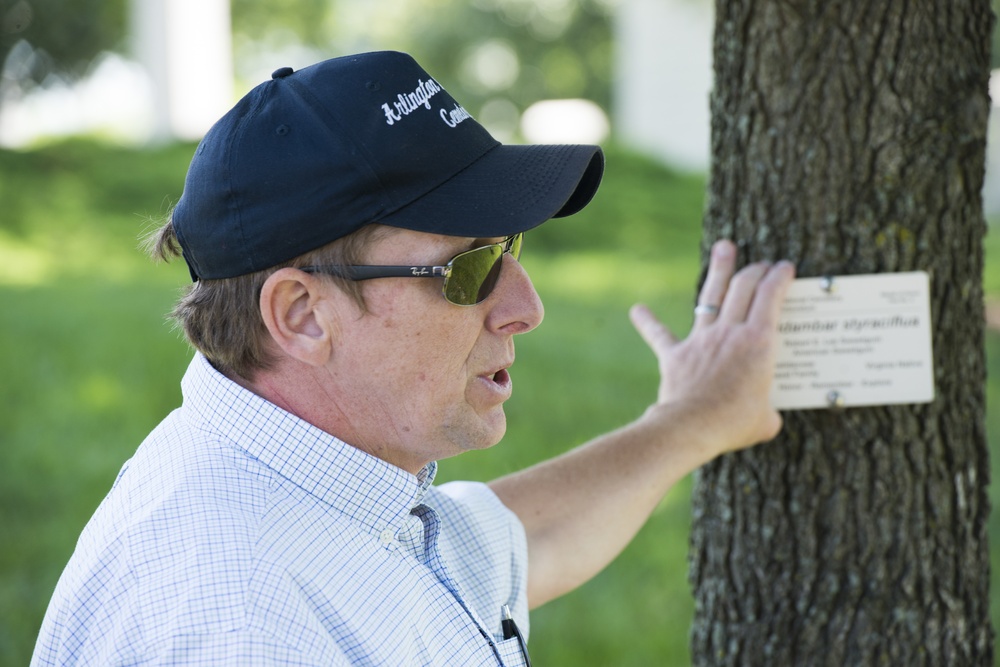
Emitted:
<point x="410" y="102"/>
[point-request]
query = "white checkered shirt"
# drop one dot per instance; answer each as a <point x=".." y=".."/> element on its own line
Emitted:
<point x="239" y="534"/>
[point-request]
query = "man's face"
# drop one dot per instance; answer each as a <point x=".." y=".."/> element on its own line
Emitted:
<point x="416" y="378"/>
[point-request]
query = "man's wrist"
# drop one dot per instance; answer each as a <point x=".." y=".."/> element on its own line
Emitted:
<point x="692" y="436"/>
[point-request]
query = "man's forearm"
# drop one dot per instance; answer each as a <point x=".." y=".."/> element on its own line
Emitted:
<point x="582" y="508"/>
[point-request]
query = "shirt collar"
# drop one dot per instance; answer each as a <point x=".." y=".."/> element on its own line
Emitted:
<point x="363" y="487"/>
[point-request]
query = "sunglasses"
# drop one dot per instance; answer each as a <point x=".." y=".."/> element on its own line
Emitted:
<point x="469" y="277"/>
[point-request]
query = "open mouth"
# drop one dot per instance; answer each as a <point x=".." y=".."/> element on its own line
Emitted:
<point x="496" y="385"/>
<point x="501" y="377"/>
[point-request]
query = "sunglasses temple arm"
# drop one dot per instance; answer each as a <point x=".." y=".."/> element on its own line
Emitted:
<point x="364" y="272"/>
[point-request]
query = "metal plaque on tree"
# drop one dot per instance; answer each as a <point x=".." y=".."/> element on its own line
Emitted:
<point x="849" y="341"/>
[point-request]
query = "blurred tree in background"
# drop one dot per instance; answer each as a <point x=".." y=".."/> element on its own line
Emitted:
<point x="497" y="56"/>
<point x="304" y="21"/>
<point x="45" y="38"/>
<point x="500" y="56"/>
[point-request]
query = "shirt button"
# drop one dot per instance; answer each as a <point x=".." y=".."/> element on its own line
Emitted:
<point x="387" y="537"/>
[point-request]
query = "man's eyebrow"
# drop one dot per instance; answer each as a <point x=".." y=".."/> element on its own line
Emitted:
<point x="490" y="240"/>
<point x="473" y="243"/>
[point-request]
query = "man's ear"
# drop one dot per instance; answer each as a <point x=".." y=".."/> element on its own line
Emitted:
<point x="297" y="313"/>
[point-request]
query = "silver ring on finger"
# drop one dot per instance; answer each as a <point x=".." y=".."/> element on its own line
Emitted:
<point x="706" y="309"/>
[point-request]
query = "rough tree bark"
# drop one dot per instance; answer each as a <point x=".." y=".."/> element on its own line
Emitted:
<point x="849" y="136"/>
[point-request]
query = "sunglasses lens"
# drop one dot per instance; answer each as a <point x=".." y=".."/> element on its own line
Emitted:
<point x="515" y="245"/>
<point x="473" y="275"/>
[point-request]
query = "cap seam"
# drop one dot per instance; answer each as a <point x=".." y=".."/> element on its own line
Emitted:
<point x="233" y="203"/>
<point x="314" y="103"/>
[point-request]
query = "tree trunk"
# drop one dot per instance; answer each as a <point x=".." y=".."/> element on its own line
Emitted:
<point x="849" y="136"/>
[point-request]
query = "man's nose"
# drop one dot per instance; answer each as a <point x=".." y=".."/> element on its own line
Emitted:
<point x="517" y="308"/>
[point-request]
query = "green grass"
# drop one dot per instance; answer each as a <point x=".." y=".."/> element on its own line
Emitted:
<point x="90" y="366"/>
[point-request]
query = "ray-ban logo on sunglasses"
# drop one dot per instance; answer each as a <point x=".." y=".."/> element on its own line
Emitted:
<point x="419" y="271"/>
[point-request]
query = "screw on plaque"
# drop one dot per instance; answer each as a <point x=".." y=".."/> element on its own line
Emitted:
<point x="826" y="284"/>
<point x="835" y="400"/>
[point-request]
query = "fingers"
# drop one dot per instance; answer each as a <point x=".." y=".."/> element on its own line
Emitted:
<point x="741" y="292"/>
<point x="721" y="266"/>
<point x="654" y="332"/>
<point x="766" y="306"/>
<point x="757" y="291"/>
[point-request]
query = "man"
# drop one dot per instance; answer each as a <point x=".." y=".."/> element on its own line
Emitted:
<point x="353" y="235"/>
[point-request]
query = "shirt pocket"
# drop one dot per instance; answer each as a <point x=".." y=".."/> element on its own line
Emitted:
<point x="510" y="653"/>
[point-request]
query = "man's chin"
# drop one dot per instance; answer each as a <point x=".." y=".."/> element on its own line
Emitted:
<point x="493" y="426"/>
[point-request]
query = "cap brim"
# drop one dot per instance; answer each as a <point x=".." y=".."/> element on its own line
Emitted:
<point x="510" y="189"/>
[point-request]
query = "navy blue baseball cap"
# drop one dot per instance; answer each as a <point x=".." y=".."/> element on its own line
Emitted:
<point x="315" y="154"/>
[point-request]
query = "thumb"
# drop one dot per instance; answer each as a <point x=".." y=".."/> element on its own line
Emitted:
<point x="656" y="334"/>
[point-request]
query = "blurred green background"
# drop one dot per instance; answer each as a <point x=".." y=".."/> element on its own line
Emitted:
<point x="89" y="364"/>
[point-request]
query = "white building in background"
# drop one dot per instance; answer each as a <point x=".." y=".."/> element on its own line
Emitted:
<point x="187" y="49"/>
<point x="991" y="189"/>
<point x="663" y="77"/>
